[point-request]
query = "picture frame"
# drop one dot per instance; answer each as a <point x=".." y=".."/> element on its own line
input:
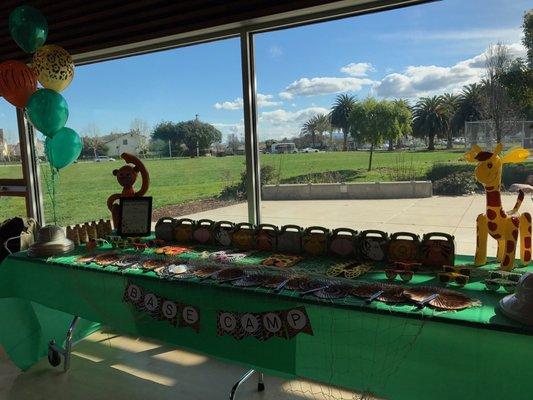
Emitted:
<point x="135" y="216"/>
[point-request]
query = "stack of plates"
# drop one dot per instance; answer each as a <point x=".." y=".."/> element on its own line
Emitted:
<point x="51" y="241"/>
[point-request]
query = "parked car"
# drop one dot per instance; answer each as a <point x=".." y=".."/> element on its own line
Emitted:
<point x="103" y="158"/>
<point x="309" y="150"/>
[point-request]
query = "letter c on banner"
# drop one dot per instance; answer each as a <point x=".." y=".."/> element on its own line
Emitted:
<point x="228" y="322"/>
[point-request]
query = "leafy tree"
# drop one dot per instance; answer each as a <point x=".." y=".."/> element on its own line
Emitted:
<point x="527" y="40"/>
<point x="373" y="121"/>
<point x="159" y="147"/>
<point x="429" y="119"/>
<point x="168" y="131"/>
<point x="518" y="80"/>
<point x="197" y="135"/>
<point x="402" y="123"/>
<point x="450" y="102"/>
<point x="340" y="116"/>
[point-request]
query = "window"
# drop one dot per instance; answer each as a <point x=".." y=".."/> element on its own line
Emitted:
<point x="320" y="160"/>
<point x="173" y="101"/>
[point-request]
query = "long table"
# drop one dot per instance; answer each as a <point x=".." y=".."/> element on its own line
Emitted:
<point x="396" y="352"/>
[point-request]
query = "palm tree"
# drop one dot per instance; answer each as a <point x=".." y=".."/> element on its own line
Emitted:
<point x="319" y="123"/>
<point x="450" y="103"/>
<point x="469" y="107"/>
<point x="309" y="128"/>
<point x="339" y="116"/>
<point x="429" y="119"/>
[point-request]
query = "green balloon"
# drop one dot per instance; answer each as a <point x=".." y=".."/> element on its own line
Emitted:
<point x="64" y="148"/>
<point x="48" y="111"/>
<point x="28" y="27"/>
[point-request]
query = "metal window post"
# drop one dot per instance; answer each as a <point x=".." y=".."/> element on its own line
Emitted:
<point x="251" y="147"/>
<point x="30" y="168"/>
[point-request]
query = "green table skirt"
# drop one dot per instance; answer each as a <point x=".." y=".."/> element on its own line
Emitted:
<point x="397" y="356"/>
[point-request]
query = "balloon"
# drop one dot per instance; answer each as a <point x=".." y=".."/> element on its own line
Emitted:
<point x="54" y="67"/>
<point x="64" y="148"/>
<point x="28" y="27"/>
<point x="48" y="111"/>
<point x="17" y="82"/>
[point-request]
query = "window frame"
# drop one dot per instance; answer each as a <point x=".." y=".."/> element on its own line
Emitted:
<point x="30" y="186"/>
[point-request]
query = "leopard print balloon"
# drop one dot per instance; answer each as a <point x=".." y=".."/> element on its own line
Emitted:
<point x="54" y="67"/>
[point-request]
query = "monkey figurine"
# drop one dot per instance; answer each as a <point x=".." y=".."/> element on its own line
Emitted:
<point x="126" y="177"/>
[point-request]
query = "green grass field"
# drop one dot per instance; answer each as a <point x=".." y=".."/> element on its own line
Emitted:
<point x="83" y="188"/>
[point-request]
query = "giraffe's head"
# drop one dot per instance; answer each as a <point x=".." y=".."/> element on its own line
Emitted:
<point x="489" y="165"/>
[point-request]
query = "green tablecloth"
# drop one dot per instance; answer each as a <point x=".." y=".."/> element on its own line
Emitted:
<point x="392" y="351"/>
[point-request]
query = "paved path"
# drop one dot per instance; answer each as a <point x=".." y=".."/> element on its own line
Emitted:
<point x="454" y="215"/>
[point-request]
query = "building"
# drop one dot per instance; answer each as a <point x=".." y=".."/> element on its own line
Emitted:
<point x="130" y="142"/>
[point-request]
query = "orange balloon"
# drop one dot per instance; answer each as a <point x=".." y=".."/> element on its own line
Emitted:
<point x="17" y="82"/>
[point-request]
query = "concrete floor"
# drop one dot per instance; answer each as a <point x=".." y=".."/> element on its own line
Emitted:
<point x="453" y="215"/>
<point x="110" y="366"/>
<point x="107" y="366"/>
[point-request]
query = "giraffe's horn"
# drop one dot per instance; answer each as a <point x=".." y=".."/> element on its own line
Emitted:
<point x="470" y="156"/>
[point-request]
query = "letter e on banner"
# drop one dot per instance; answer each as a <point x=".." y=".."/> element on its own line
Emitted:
<point x="190" y="316"/>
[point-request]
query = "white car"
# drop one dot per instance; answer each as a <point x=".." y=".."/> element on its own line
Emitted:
<point x="103" y="158"/>
<point x="309" y="150"/>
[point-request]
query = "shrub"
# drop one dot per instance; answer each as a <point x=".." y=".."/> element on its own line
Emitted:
<point x="238" y="191"/>
<point x="457" y="183"/>
<point x="512" y="173"/>
<point x="442" y="170"/>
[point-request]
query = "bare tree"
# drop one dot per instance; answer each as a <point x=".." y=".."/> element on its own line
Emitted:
<point x="92" y="131"/>
<point x="140" y="127"/>
<point x="496" y="104"/>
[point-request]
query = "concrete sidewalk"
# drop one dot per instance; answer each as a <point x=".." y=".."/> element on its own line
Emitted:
<point x="453" y="215"/>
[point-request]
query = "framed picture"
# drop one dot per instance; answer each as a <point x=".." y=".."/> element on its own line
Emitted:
<point x="135" y="216"/>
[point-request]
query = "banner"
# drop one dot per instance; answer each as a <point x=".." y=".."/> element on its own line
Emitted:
<point x="159" y="308"/>
<point x="285" y="324"/>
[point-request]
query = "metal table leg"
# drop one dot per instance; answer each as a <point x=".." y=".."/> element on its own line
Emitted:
<point x="244" y="378"/>
<point x="55" y="352"/>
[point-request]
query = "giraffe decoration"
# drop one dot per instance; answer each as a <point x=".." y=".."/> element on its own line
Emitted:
<point x="502" y="226"/>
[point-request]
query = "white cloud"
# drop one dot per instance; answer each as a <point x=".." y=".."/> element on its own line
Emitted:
<point x="230" y="105"/>
<point x="426" y="80"/>
<point x="323" y="85"/>
<point x="282" y="117"/>
<point x="487" y="35"/>
<point x="275" y="51"/>
<point x="358" y="69"/>
<point x="263" y="100"/>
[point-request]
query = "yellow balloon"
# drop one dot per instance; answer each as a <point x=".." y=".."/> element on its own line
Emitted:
<point x="53" y="66"/>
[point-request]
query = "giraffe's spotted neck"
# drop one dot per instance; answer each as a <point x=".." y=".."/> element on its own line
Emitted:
<point x="493" y="197"/>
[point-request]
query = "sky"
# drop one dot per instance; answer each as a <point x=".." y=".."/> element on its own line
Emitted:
<point x="406" y="53"/>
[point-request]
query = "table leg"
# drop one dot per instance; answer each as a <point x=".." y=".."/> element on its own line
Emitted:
<point x="55" y="352"/>
<point x="244" y="378"/>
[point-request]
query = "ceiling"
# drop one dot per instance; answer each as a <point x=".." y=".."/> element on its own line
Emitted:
<point x="84" y="28"/>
